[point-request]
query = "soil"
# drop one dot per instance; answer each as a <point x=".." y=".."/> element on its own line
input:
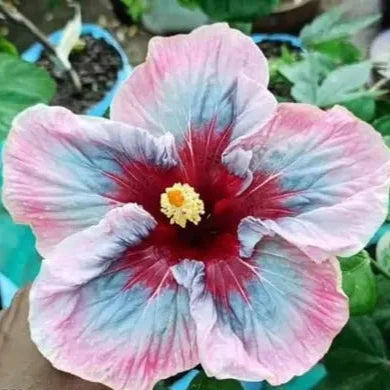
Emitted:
<point x="273" y="49"/>
<point x="97" y="65"/>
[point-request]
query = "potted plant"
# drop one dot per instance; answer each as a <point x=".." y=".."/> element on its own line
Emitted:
<point x="110" y="67"/>
<point x="67" y="56"/>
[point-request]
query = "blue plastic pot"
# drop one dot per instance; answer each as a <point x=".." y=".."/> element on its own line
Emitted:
<point x="287" y="38"/>
<point x="34" y="53"/>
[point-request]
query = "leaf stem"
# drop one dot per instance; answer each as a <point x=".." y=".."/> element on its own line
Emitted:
<point x="379" y="268"/>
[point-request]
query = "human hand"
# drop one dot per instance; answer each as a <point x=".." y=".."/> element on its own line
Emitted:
<point x="22" y="367"/>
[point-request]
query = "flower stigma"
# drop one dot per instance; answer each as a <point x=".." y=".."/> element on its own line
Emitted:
<point x="181" y="204"/>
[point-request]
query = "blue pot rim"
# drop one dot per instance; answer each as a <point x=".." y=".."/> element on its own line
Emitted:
<point x="287" y="38"/>
<point x="33" y="54"/>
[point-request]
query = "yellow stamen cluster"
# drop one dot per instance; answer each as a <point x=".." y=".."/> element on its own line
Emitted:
<point x="181" y="204"/>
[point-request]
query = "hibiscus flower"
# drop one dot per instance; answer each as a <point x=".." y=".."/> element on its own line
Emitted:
<point x="199" y="225"/>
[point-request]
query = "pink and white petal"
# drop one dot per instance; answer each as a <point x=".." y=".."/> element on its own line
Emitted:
<point x="330" y="174"/>
<point x="126" y="327"/>
<point x="213" y="75"/>
<point x="63" y="172"/>
<point x="274" y="320"/>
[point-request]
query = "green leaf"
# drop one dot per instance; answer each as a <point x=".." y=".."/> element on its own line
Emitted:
<point x="383" y="125"/>
<point x="382" y="107"/>
<point x="386" y="139"/>
<point x="330" y="26"/>
<point x="359" y="283"/>
<point x="357" y="359"/>
<point x="382" y="310"/>
<point x="237" y="10"/>
<point x="351" y="27"/>
<point x="244" y="27"/>
<point x="307" y="75"/>
<point x="364" y="107"/>
<point x="340" y="50"/>
<point x="316" y="31"/>
<point x="203" y="382"/>
<point x="191" y="4"/>
<point x="22" y="85"/>
<point x="383" y="251"/>
<point x="288" y="57"/>
<point x="160" y="386"/>
<point x="340" y="84"/>
<point x="7" y="47"/>
<point x="316" y="81"/>
<point x="135" y="8"/>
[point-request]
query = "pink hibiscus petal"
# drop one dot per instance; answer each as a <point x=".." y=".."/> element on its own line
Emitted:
<point x="63" y="173"/>
<point x="270" y="317"/>
<point x="125" y="327"/>
<point x="327" y="171"/>
<point x="213" y="75"/>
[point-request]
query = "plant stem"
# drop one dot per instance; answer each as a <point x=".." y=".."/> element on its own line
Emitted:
<point x="380" y="269"/>
<point x="12" y="14"/>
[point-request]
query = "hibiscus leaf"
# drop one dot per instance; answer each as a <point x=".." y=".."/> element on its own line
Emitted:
<point x="237" y="10"/>
<point x="191" y="4"/>
<point x="382" y="310"/>
<point x="359" y="283"/>
<point x="307" y="75"/>
<point x="160" y="386"/>
<point x="363" y="107"/>
<point x="203" y="382"/>
<point x="7" y="47"/>
<point x="330" y="26"/>
<point x="383" y="251"/>
<point x="22" y="85"/>
<point x="358" y="359"/>
<point x="317" y="30"/>
<point x="340" y="50"/>
<point x="340" y="84"/>
<point x="383" y="125"/>
<point x="382" y="107"/>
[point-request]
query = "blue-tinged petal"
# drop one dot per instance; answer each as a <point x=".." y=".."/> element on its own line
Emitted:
<point x="325" y="175"/>
<point x="213" y="75"/>
<point x="98" y="313"/>
<point x="63" y="172"/>
<point x="270" y="317"/>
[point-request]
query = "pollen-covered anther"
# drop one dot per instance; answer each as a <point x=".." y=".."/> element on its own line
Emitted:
<point x="180" y="203"/>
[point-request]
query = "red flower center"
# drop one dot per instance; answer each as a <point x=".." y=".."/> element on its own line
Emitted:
<point x="201" y="167"/>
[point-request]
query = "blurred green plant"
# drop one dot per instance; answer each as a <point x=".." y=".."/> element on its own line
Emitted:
<point x="317" y="80"/>
<point x="22" y="85"/>
<point x="332" y="63"/>
<point x="7" y="47"/>
<point x="240" y="14"/>
<point x="235" y="10"/>
<point x="359" y="357"/>
<point x="203" y="382"/>
<point x="135" y="8"/>
<point x="331" y="25"/>
<point x="359" y="283"/>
